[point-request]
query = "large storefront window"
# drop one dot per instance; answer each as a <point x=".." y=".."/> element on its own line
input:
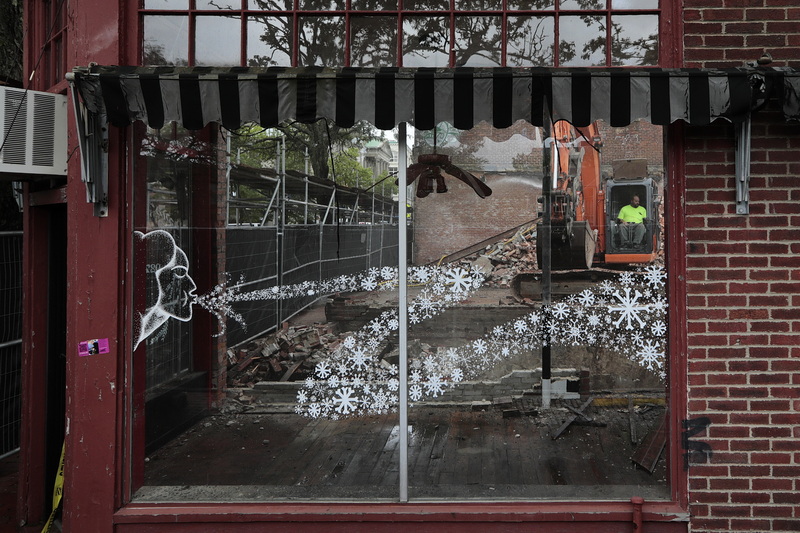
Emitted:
<point x="270" y="334"/>
<point x="568" y="33"/>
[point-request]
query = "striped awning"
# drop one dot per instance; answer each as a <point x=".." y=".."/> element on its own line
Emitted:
<point x="423" y="97"/>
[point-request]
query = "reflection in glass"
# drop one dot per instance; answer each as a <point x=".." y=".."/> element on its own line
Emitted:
<point x="531" y="4"/>
<point x="166" y="40"/>
<point x="478" y="41"/>
<point x="272" y="5"/>
<point x="218" y="4"/>
<point x="373" y="5"/>
<point x="426" y="5"/>
<point x="478" y="427"/>
<point x="321" y="41"/>
<point x="587" y="47"/>
<point x="166" y="4"/>
<point x="635" y="4"/>
<point x="477" y="5"/>
<point x="426" y="42"/>
<point x="212" y="51"/>
<point x="530" y="41"/>
<point x="582" y="4"/>
<point x="634" y="39"/>
<point x="373" y="41"/>
<point x="322" y="5"/>
<point x="269" y="41"/>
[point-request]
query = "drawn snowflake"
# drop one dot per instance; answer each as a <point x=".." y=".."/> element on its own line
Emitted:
<point x="560" y="310"/>
<point x="586" y="297"/>
<point x="345" y="402"/>
<point x="593" y="320"/>
<point x="434" y="385"/>
<point x="415" y="392"/>
<point x="359" y="360"/>
<point x="314" y="410"/>
<point x="456" y="375"/>
<point x="650" y="355"/>
<point x="626" y="279"/>
<point x="520" y="326"/>
<point x="459" y="279"/>
<point x="323" y="370"/>
<point x="302" y="397"/>
<point x="629" y="308"/>
<point x="479" y="346"/>
<point x="388" y="273"/>
<point x="658" y="328"/>
<point x="655" y="275"/>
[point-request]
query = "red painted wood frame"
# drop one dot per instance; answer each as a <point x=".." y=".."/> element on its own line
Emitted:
<point x="100" y="390"/>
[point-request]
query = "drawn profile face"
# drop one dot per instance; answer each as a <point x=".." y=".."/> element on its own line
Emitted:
<point x="168" y="274"/>
<point x="177" y="287"/>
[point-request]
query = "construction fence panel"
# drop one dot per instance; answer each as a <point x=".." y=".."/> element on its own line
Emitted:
<point x="261" y="258"/>
<point x="10" y="340"/>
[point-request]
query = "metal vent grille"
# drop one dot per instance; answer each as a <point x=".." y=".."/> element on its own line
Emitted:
<point x="34" y="130"/>
<point x="15" y="114"/>
<point x="44" y="109"/>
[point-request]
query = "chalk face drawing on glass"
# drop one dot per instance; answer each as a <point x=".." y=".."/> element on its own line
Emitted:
<point x="168" y="274"/>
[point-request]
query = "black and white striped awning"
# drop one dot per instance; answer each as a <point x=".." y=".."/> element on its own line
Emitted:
<point x="424" y="97"/>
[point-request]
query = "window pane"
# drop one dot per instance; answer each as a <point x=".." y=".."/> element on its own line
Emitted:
<point x="166" y="4"/>
<point x="530" y="41"/>
<point x="374" y="41"/>
<point x="468" y="5"/>
<point x="582" y="4"/>
<point x="426" y="42"/>
<point x="477" y="335"/>
<point x="256" y="297"/>
<point x="634" y="39"/>
<point x="373" y="5"/>
<point x="209" y="49"/>
<point x="635" y="4"/>
<point x="322" y="5"/>
<point x="269" y="41"/>
<point x="321" y="41"/>
<point x="424" y="5"/>
<point x="583" y="41"/>
<point x="218" y="4"/>
<point x="478" y="41"/>
<point x="166" y="40"/>
<point x="531" y="4"/>
<point x="271" y="5"/>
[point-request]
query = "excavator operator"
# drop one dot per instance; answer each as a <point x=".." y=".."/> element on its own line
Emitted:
<point x="631" y="220"/>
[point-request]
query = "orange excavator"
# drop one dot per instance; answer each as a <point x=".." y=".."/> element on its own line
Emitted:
<point x="585" y="204"/>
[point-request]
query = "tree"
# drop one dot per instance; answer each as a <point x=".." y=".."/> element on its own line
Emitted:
<point x="11" y="42"/>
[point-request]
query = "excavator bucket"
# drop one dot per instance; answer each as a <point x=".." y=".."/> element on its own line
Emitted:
<point x="572" y="251"/>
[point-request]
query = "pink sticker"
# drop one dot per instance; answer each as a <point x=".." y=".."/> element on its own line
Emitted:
<point x="93" y="347"/>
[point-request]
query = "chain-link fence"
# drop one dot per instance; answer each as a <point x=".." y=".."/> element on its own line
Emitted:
<point x="10" y="340"/>
<point x="263" y="257"/>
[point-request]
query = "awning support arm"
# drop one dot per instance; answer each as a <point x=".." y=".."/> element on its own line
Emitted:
<point x="743" y="131"/>
<point x="93" y="147"/>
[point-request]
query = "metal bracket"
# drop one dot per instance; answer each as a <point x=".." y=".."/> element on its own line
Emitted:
<point x="93" y="145"/>
<point x="743" y="167"/>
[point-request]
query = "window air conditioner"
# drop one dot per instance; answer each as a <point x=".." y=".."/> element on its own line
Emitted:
<point x="33" y="129"/>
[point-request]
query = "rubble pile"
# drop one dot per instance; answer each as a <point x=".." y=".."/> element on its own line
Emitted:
<point x="289" y="354"/>
<point x="501" y="261"/>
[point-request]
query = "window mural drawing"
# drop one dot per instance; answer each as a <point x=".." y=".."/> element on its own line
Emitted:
<point x="173" y="289"/>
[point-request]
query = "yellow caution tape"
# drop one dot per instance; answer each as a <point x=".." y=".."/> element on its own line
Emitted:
<point x="58" y="491"/>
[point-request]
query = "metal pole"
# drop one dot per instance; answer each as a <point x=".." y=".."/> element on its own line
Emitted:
<point x="547" y="200"/>
<point x="402" y="310"/>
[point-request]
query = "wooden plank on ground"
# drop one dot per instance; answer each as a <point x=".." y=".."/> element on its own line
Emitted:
<point x="648" y="453"/>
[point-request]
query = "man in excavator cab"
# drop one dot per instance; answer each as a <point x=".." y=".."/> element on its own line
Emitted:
<point x="630" y="220"/>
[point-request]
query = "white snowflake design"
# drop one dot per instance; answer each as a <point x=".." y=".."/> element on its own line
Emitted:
<point x="628" y="314"/>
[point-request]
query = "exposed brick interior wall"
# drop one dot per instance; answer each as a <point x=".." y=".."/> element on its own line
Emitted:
<point x="743" y="286"/>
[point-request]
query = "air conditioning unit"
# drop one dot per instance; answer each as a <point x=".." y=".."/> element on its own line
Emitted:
<point x="33" y="133"/>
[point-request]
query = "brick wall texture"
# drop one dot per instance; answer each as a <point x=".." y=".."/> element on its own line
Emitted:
<point x="743" y="285"/>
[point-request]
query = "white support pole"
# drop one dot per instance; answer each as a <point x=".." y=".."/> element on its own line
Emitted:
<point x="402" y="311"/>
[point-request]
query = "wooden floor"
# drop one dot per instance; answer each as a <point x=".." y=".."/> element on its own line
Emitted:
<point x="453" y="453"/>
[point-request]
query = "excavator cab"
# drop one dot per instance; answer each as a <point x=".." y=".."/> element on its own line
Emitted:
<point x="631" y="245"/>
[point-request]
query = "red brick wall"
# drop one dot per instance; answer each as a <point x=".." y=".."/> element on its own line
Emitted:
<point x="743" y="286"/>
